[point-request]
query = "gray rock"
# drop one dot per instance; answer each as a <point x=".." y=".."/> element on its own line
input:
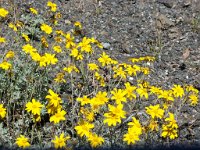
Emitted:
<point x="167" y="3"/>
<point x="106" y="45"/>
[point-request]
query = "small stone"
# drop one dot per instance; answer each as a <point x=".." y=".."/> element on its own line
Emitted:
<point x="130" y="78"/>
<point x="167" y="3"/>
<point x="68" y="22"/>
<point x="106" y="45"/>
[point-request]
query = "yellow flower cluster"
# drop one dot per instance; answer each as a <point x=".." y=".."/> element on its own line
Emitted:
<point x="54" y="107"/>
<point x="44" y="60"/>
<point x="134" y="132"/>
<point x="170" y="128"/>
<point x="84" y="129"/>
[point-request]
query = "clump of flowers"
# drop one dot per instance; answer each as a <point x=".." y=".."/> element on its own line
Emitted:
<point x="170" y="128"/>
<point x="56" y="82"/>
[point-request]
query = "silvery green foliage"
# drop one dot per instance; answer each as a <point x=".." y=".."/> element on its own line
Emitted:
<point x="5" y="138"/>
<point x="32" y="25"/>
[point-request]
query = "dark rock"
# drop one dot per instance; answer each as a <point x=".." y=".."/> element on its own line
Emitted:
<point x="167" y="3"/>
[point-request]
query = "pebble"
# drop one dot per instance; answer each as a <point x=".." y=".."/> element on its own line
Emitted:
<point x="106" y="45"/>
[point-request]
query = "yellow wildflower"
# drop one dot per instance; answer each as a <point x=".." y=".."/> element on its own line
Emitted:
<point x="84" y="100"/>
<point x="155" y="111"/>
<point x="71" y="68"/>
<point x="46" y="28"/>
<point x="2" y="111"/>
<point x="10" y="54"/>
<point x="22" y="141"/>
<point x="193" y="99"/>
<point x="60" y="77"/>
<point x="178" y="91"/>
<point x="101" y="98"/>
<point x="166" y="94"/>
<point x="34" y="107"/>
<point x="28" y="48"/>
<point x="104" y="59"/>
<point x="168" y="131"/>
<point x="85" y="45"/>
<point x="57" y="49"/>
<point x="78" y="24"/>
<point x="69" y="41"/>
<point x="190" y="88"/>
<point x="5" y="65"/>
<point x="119" y="72"/>
<point x="142" y="91"/>
<point x="2" y="40"/>
<point x="33" y="10"/>
<point x="155" y="90"/>
<point x="3" y="12"/>
<point x="42" y="60"/>
<point x="134" y="132"/>
<point x="153" y="125"/>
<point x="53" y="98"/>
<point x="51" y="109"/>
<point x="53" y="6"/>
<point x="84" y="129"/>
<point x="130" y="91"/>
<point x="130" y="138"/>
<point x="60" y="142"/>
<point x="59" y="116"/>
<point x="12" y="26"/>
<point x="50" y="58"/>
<point x="27" y="39"/>
<point x="95" y="140"/>
<point x="118" y="95"/>
<point x="171" y="121"/>
<point x="135" y="124"/>
<point x="93" y="67"/>
<point x="35" y="56"/>
<point x="114" y="115"/>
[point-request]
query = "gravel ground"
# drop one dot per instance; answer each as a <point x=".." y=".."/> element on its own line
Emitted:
<point x="167" y="29"/>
